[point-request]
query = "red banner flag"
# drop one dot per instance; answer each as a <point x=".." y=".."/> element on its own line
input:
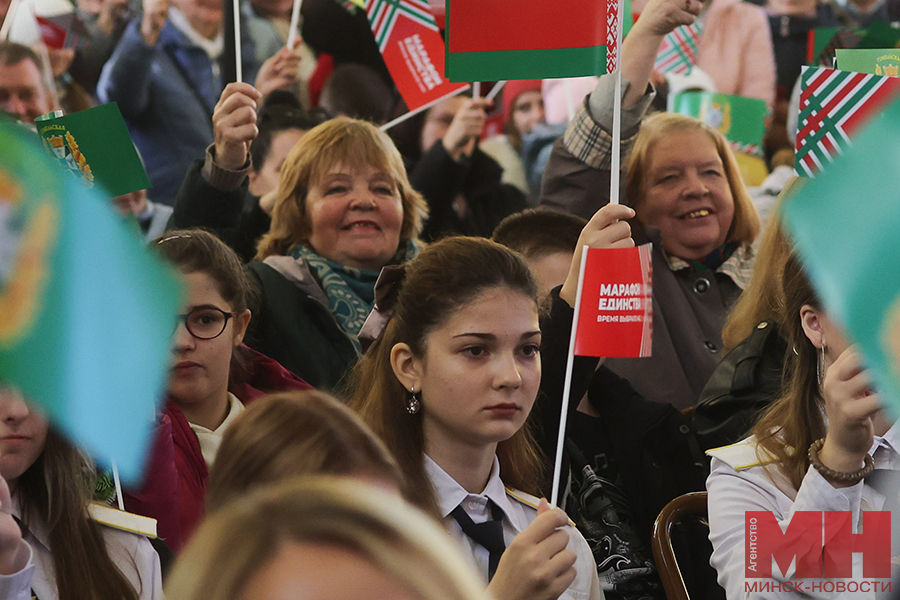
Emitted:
<point x="412" y="49"/>
<point x="616" y="312"/>
<point x="489" y="40"/>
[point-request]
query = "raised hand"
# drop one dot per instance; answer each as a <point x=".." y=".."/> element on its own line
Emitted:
<point x="234" y="124"/>
<point x="155" y="13"/>
<point x="536" y="565"/>
<point x="850" y="405"/>
<point x="280" y="71"/>
<point x="466" y="127"/>
<point x="606" y="229"/>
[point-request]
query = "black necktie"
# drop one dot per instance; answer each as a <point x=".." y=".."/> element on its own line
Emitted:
<point x="488" y="535"/>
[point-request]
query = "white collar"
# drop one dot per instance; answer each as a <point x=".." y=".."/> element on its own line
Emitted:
<point x="450" y="494"/>
<point x="891" y="439"/>
<point x="213" y="48"/>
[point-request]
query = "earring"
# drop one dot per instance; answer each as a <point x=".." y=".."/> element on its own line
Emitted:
<point x="413" y="404"/>
<point x="820" y="365"/>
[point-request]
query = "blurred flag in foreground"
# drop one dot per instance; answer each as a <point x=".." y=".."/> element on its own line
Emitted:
<point x="844" y="224"/>
<point x="86" y="312"/>
<point x="615" y="315"/>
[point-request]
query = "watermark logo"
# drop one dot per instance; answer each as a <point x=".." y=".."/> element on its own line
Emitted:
<point x="819" y="544"/>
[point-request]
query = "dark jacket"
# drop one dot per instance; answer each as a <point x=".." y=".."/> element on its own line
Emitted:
<point x="174" y="490"/>
<point x="232" y="214"/>
<point x="293" y="323"/>
<point x="478" y="179"/>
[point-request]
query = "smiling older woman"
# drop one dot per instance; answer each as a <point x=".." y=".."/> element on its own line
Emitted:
<point x="684" y="184"/>
<point x="345" y="209"/>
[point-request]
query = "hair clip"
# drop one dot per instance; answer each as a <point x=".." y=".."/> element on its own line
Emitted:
<point x="387" y="288"/>
<point x="173" y="237"/>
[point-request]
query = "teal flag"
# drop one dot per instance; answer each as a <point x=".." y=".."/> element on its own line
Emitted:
<point x="86" y="311"/>
<point x="845" y="224"/>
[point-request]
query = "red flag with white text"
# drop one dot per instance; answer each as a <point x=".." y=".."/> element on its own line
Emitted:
<point x="616" y="311"/>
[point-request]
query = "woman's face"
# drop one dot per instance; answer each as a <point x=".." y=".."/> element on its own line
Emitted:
<point x="480" y="371"/>
<point x="23" y="434"/>
<point x="323" y="572"/>
<point x="687" y="194"/>
<point x="269" y="175"/>
<point x="201" y="367"/>
<point x="356" y="216"/>
<point x="528" y="111"/>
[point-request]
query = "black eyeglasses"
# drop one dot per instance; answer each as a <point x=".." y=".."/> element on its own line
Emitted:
<point x="205" y="323"/>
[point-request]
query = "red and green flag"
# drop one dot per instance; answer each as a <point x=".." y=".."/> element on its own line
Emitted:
<point x="412" y="48"/>
<point x="741" y="120"/>
<point x="833" y="106"/>
<point x="490" y="40"/>
<point x="679" y="50"/>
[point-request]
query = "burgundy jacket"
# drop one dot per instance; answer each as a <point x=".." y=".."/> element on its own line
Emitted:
<point x="174" y="490"/>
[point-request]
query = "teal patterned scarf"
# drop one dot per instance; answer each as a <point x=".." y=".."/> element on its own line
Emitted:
<point x="350" y="291"/>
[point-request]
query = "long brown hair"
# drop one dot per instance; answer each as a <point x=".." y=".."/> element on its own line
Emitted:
<point x="794" y="421"/>
<point x="296" y="433"/>
<point x="55" y="491"/>
<point x="745" y="224"/>
<point x="339" y="141"/>
<point x="446" y="276"/>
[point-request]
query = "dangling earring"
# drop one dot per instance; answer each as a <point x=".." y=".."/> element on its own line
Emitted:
<point x="413" y="404"/>
<point x="820" y="365"/>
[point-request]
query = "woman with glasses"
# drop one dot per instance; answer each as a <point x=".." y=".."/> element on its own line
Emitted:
<point x="211" y="379"/>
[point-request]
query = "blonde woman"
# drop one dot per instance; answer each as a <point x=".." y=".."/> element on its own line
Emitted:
<point x="334" y="539"/>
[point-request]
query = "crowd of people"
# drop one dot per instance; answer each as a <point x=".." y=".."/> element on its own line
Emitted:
<point x="366" y="381"/>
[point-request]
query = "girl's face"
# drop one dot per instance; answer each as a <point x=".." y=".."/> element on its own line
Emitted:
<point x="23" y="434"/>
<point x="201" y="367"/>
<point x="528" y="111"/>
<point x="687" y="194"/>
<point x="355" y="216"/>
<point x="480" y="372"/>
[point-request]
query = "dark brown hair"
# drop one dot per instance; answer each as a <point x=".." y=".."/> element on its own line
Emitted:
<point x="12" y="53"/>
<point x="794" y="421"/>
<point x="445" y="277"/>
<point x="538" y="232"/>
<point x="56" y="491"/>
<point x="296" y="433"/>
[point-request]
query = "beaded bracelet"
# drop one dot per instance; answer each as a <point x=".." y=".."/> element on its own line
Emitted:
<point x="838" y="476"/>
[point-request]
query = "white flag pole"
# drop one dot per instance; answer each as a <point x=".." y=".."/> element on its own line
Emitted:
<point x="616" y="157"/>
<point x="494" y="91"/>
<point x="413" y="113"/>
<point x="119" y="499"/>
<point x="570" y="102"/>
<point x="567" y="387"/>
<point x="7" y="22"/>
<point x="476" y="90"/>
<point x="238" y="63"/>
<point x="295" y="23"/>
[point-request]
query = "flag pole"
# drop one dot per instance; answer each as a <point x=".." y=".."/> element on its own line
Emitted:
<point x="119" y="500"/>
<point x="413" y="113"/>
<point x="7" y="22"/>
<point x="295" y="22"/>
<point x="567" y="386"/>
<point x="494" y="91"/>
<point x="476" y="90"/>
<point x="616" y="158"/>
<point x="238" y="63"/>
<point x="570" y="103"/>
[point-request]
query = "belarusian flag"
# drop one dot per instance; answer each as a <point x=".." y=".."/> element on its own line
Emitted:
<point x="833" y="106"/>
<point x="412" y="49"/>
<point x="741" y="120"/>
<point x="679" y="50"/>
<point x="490" y="40"/>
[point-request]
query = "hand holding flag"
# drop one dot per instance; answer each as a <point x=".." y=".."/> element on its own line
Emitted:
<point x="606" y="229"/>
<point x="465" y="129"/>
<point x="234" y="124"/>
